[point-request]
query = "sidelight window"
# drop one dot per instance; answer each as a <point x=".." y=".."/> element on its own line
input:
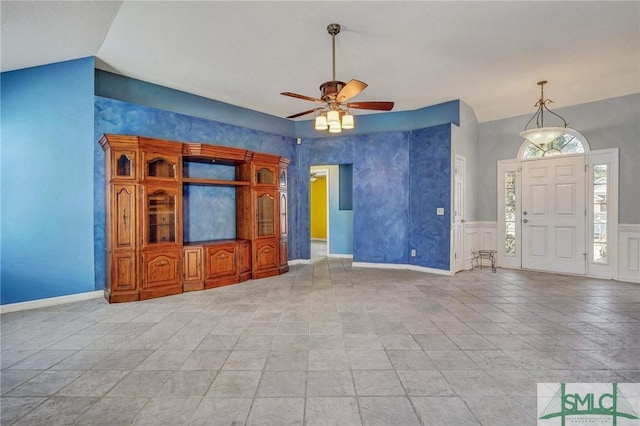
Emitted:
<point x="600" y="213"/>
<point x="510" y="213"/>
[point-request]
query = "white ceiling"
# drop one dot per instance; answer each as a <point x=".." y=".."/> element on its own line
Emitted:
<point x="419" y="53"/>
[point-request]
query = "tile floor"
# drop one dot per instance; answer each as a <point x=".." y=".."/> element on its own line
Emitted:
<point x="322" y="345"/>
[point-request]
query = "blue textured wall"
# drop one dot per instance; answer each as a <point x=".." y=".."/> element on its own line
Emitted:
<point x="47" y="181"/>
<point x="209" y="211"/>
<point x="112" y="116"/>
<point x="447" y="112"/>
<point x="340" y="221"/>
<point x="114" y="86"/>
<point x="430" y="188"/>
<point x="380" y="192"/>
<point x="399" y="178"/>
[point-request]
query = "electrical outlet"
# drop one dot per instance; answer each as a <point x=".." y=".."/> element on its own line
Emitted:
<point x="440" y="211"/>
<point x="413" y="252"/>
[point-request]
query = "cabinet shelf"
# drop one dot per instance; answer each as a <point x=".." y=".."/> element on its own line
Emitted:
<point x="215" y="182"/>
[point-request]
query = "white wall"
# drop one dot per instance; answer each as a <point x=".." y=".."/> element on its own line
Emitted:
<point x="464" y="141"/>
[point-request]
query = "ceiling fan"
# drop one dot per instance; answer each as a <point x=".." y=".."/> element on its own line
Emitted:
<point x="335" y="93"/>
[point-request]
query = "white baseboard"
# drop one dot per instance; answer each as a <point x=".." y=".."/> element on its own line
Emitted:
<point x="51" y="301"/>
<point x="340" y="256"/>
<point x="299" y="261"/>
<point x="402" y="266"/>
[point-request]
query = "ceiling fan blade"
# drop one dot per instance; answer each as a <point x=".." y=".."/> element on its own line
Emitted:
<point x="350" y="90"/>
<point x="374" y="105"/>
<point x="304" y="112"/>
<point x="303" y="97"/>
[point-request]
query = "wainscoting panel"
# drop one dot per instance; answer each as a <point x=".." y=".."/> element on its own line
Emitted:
<point x="479" y="236"/>
<point x="629" y="253"/>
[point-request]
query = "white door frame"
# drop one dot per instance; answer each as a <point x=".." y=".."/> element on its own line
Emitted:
<point x="458" y="253"/>
<point x="323" y="170"/>
<point x="609" y="157"/>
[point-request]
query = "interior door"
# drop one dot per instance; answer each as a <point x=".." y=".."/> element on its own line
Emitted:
<point x="458" y="256"/>
<point x="554" y="215"/>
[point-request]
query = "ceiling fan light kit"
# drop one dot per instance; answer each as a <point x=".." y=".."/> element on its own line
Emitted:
<point x="334" y="115"/>
<point x="541" y="135"/>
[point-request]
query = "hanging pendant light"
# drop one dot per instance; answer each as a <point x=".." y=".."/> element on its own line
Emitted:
<point x="541" y="135"/>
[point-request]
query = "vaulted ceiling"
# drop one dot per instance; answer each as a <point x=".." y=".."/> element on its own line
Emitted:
<point x="419" y="53"/>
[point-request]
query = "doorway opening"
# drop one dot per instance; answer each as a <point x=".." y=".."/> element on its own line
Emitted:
<point x="331" y="210"/>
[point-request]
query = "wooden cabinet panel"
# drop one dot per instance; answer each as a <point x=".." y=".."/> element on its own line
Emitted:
<point x="123" y="212"/>
<point x="193" y="273"/>
<point x="123" y="271"/>
<point x="122" y="277"/>
<point x="221" y="260"/>
<point x="161" y="268"/>
<point x="193" y="263"/>
<point x="284" y="255"/>
<point x="244" y="259"/>
<point x="265" y="259"/>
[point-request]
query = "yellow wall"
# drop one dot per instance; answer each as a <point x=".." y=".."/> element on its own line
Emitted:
<point x="318" y="190"/>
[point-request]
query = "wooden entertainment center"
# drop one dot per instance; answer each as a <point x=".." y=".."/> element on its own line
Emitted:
<point x="145" y="253"/>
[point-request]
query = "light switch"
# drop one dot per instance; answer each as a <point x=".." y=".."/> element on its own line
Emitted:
<point x="440" y="211"/>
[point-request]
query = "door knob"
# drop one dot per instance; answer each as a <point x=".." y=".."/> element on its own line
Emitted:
<point x="524" y="213"/>
<point x="524" y="221"/>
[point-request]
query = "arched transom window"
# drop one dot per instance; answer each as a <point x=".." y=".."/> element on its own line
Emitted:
<point x="571" y="142"/>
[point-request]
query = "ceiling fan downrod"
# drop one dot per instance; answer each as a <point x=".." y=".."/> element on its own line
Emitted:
<point x="333" y="29"/>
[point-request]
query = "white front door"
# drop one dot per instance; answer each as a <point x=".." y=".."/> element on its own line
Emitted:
<point x="458" y="255"/>
<point x="554" y="215"/>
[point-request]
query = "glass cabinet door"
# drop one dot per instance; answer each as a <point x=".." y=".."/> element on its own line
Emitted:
<point x="123" y="165"/>
<point x="266" y="215"/>
<point x="283" y="214"/>
<point x="265" y="175"/>
<point x="283" y="178"/>
<point x="161" y="211"/>
<point x="161" y="166"/>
